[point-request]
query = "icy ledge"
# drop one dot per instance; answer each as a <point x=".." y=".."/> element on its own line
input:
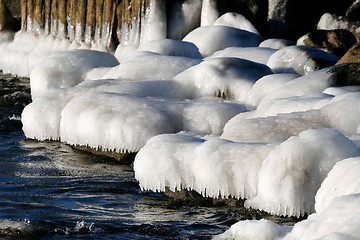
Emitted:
<point x="280" y="178"/>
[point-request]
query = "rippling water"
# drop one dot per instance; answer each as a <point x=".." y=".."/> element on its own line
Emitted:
<point x="49" y="190"/>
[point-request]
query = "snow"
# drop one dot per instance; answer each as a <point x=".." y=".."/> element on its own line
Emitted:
<point x="222" y="112"/>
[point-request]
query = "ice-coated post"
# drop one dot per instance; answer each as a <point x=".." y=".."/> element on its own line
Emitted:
<point x="80" y="20"/>
<point x="90" y="21"/>
<point x="23" y="14"/>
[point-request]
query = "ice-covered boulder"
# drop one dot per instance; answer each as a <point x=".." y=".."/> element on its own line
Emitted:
<point x="236" y="20"/>
<point x="300" y="59"/>
<point x="343" y="179"/>
<point x="150" y="66"/>
<point x="255" y="54"/>
<point x="210" y="39"/>
<point x="293" y="172"/>
<point x="279" y="120"/>
<point x="67" y="69"/>
<point x="267" y="84"/>
<point x="276" y="43"/>
<point x="336" y="41"/>
<point x="171" y="47"/>
<point x="279" y="178"/>
<point x="213" y="167"/>
<point x="230" y="78"/>
<point x="121" y="116"/>
<point x="330" y="21"/>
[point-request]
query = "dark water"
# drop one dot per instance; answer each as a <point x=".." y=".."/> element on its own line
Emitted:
<point x="48" y="190"/>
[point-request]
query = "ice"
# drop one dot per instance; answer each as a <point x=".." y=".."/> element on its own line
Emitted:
<point x="315" y="82"/>
<point x="172" y="48"/>
<point x="150" y="66"/>
<point x="210" y="39"/>
<point x="300" y="59"/>
<point x="256" y="54"/>
<point x="279" y="178"/>
<point x="183" y="18"/>
<point x="236" y="20"/>
<point x="230" y="78"/>
<point x="153" y="26"/>
<point x="213" y="167"/>
<point x="276" y="43"/>
<point x="131" y="114"/>
<point x="252" y="229"/>
<point x="209" y="13"/>
<point x="343" y="179"/>
<point x="267" y="84"/>
<point x="279" y="121"/>
<point x="67" y="69"/>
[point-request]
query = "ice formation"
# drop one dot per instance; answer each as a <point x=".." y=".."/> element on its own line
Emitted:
<point x="220" y="111"/>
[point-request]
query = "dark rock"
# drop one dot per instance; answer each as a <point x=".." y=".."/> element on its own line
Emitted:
<point x="291" y="19"/>
<point x="7" y="19"/>
<point x="353" y="12"/>
<point x="124" y="158"/>
<point x="351" y="56"/>
<point x="347" y="74"/>
<point x="336" y="41"/>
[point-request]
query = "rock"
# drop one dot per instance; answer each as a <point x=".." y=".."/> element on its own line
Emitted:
<point x="336" y="41"/>
<point x="353" y="12"/>
<point x="347" y="74"/>
<point x="351" y="56"/>
<point x="7" y="20"/>
<point x="332" y="21"/>
<point x="124" y="158"/>
<point x="291" y="19"/>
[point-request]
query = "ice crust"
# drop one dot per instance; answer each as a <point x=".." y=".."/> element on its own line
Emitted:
<point x="221" y="112"/>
